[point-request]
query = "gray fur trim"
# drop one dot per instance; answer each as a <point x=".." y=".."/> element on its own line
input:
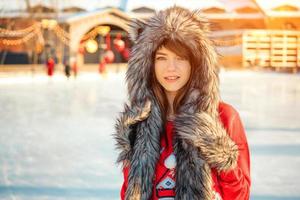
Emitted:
<point x="193" y="178"/>
<point x="123" y="127"/>
<point x="210" y="138"/>
<point x="137" y="26"/>
<point x="145" y="155"/>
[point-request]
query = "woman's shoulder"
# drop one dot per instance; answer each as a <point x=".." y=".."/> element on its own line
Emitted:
<point x="227" y="113"/>
<point x="231" y="121"/>
<point x="227" y="109"/>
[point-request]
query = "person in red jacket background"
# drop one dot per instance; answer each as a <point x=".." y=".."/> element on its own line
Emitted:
<point x="177" y="139"/>
<point x="50" y="66"/>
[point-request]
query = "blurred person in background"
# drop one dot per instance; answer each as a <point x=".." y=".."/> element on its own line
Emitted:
<point x="74" y="66"/>
<point x="67" y="69"/>
<point x="177" y="138"/>
<point x="50" y="66"/>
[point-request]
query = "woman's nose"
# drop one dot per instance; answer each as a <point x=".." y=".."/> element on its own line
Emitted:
<point x="171" y="65"/>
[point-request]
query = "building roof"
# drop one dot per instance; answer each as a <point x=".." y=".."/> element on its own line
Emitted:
<point x="80" y="16"/>
<point x="269" y="5"/>
<point x="271" y="8"/>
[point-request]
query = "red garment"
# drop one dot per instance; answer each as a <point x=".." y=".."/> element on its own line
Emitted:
<point x="102" y="66"/>
<point x="164" y="181"/>
<point x="231" y="185"/>
<point x="50" y="67"/>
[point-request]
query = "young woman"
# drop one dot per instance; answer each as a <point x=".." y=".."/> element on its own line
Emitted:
<point x="177" y="139"/>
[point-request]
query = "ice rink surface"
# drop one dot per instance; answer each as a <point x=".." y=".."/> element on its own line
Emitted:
<point x="56" y="134"/>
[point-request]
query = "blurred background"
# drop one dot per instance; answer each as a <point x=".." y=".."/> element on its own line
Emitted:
<point x="62" y="70"/>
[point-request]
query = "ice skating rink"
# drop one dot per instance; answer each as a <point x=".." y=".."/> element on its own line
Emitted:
<point x="56" y="134"/>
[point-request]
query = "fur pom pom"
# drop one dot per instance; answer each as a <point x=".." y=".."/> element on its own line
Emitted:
<point x="208" y="135"/>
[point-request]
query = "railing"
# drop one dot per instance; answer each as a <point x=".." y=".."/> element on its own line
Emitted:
<point x="271" y="48"/>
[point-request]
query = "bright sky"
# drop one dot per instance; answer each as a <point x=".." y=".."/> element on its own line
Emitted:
<point x="269" y="4"/>
<point x="93" y="4"/>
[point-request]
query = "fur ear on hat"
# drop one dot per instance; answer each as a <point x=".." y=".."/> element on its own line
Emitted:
<point x="136" y="28"/>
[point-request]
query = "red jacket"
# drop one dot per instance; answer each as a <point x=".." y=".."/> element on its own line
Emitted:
<point x="231" y="185"/>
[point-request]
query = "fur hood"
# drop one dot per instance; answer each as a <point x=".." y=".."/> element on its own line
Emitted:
<point x="200" y="142"/>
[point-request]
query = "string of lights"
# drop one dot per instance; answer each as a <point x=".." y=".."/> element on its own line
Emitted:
<point x="35" y="30"/>
<point x="61" y="32"/>
<point x="62" y="35"/>
<point x="13" y="42"/>
<point x="40" y="42"/>
<point x="90" y="35"/>
<point x="18" y="33"/>
<point x="102" y="30"/>
<point x="18" y="37"/>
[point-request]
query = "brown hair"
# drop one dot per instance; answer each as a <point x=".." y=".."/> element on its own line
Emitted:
<point x="183" y="51"/>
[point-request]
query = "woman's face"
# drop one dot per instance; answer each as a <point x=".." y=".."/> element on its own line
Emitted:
<point x="171" y="71"/>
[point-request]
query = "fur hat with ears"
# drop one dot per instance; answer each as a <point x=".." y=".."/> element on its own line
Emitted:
<point x="200" y="142"/>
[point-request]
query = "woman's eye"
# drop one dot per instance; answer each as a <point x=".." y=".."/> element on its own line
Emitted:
<point x="160" y="58"/>
<point x="181" y="58"/>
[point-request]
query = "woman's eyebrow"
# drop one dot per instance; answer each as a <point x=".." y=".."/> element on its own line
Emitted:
<point x="161" y="53"/>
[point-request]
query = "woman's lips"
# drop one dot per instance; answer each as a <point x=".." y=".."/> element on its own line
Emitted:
<point x="171" y="78"/>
